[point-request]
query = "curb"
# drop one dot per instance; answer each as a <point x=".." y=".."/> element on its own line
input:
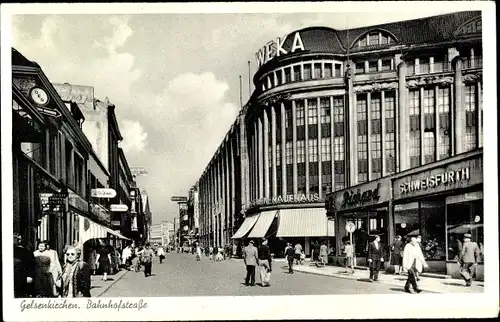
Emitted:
<point x="356" y="278"/>
<point x="111" y="284"/>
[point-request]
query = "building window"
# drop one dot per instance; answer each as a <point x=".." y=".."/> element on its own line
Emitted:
<point x="360" y="67"/>
<point x="373" y="39"/>
<point x="440" y="63"/>
<point x="390" y="147"/>
<point x="312" y="111"/>
<point x="270" y="80"/>
<point x="307" y="71"/>
<point x="326" y="150"/>
<point x="299" y="110"/>
<point x="338" y="70"/>
<point x="429" y="126"/>
<point x="279" y="77"/>
<point x="328" y="70"/>
<point x="317" y="70"/>
<point x="386" y="64"/>
<point x="313" y="177"/>
<point x="443" y="101"/>
<point x="339" y="157"/>
<point x="362" y="41"/>
<point x="289" y="152"/>
<point x="288" y="118"/>
<point x="296" y="73"/>
<point x="362" y="142"/>
<point x="269" y="156"/>
<point x="326" y="176"/>
<point x="301" y="151"/>
<point x="424" y="67"/>
<point x="372" y="66"/>
<point x="375" y="136"/>
<point x="313" y="150"/>
<point x="288" y="77"/>
<point x="385" y="39"/>
<point x="79" y="176"/>
<point x="278" y="154"/>
<point x="414" y="107"/>
<point x="470" y="117"/>
<point x="324" y="103"/>
<point x="68" y="165"/>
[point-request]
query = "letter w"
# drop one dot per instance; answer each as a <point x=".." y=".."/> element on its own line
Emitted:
<point x="260" y="55"/>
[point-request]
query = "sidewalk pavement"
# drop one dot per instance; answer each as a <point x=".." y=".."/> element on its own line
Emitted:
<point x="427" y="284"/>
<point x="98" y="286"/>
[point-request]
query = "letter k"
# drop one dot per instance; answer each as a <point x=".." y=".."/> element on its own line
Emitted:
<point x="279" y="46"/>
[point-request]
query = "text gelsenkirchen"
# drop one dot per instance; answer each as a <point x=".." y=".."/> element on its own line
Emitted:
<point x="51" y="304"/>
<point x="117" y="305"/>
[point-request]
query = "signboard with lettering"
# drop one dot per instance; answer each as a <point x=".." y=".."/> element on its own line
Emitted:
<point x="49" y="202"/>
<point x="139" y="171"/>
<point x="275" y="49"/>
<point x="115" y="223"/>
<point x="103" y="193"/>
<point x="179" y="199"/>
<point x="288" y="199"/>
<point x="447" y="177"/>
<point x="118" y="208"/>
<point x="368" y="194"/>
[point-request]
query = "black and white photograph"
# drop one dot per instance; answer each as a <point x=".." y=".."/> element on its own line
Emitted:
<point x="235" y="161"/>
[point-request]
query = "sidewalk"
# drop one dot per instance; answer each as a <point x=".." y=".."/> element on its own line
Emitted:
<point x="98" y="286"/>
<point x="427" y="284"/>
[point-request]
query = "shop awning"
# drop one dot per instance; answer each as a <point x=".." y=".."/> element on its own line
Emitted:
<point x="117" y="234"/>
<point x="91" y="230"/>
<point x="262" y="225"/>
<point x="306" y="222"/>
<point x="246" y="226"/>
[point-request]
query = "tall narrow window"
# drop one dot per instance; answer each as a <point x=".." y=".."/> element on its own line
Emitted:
<point x="414" y="107"/>
<point x="375" y="136"/>
<point x="326" y="164"/>
<point x="362" y="139"/>
<point x="324" y="103"/>
<point x="360" y="67"/>
<point x="429" y="126"/>
<point x="481" y="117"/>
<point x="301" y="166"/>
<point x="312" y="148"/>
<point x="288" y="75"/>
<point x="299" y="110"/>
<point x="279" y="77"/>
<point x="339" y="147"/>
<point x="373" y="39"/>
<point x="328" y="70"/>
<point x="296" y="73"/>
<point x="307" y="71"/>
<point x="338" y="70"/>
<point x="424" y="65"/>
<point x="313" y="165"/>
<point x="444" y="123"/>
<point x="390" y="147"/>
<point x="301" y="151"/>
<point x="372" y="66"/>
<point x="278" y="154"/>
<point x="317" y="71"/>
<point x="312" y="111"/>
<point x="470" y="117"/>
<point x="289" y="167"/>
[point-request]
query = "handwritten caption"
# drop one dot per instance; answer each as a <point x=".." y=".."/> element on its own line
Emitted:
<point x="64" y="304"/>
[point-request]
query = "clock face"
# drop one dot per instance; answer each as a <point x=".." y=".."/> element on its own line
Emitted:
<point x="39" y="96"/>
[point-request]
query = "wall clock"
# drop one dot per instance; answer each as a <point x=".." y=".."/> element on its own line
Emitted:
<point x="39" y="96"/>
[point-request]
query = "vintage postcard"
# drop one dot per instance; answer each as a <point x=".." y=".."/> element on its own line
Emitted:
<point x="248" y="161"/>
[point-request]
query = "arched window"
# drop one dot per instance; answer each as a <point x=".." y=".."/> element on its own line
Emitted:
<point x="374" y="38"/>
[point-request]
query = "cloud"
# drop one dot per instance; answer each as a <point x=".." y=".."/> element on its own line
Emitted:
<point x="134" y="137"/>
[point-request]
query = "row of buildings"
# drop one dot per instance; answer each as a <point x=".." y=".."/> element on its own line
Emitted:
<point x="381" y="126"/>
<point x="72" y="183"/>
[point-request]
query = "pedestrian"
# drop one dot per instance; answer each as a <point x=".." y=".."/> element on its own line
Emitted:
<point x="218" y="254"/>
<point x="323" y="254"/>
<point x="198" y="252"/>
<point x="24" y="269"/>
<point x="126" y="254"/>
<point x="298" y="253"/>
<point x="103" y="261"/>
<point x="55" y="264"/>
<point x="468" y="259"/>
<point x="137" y="259"/>
<point x="147" y="260"/>
<point x="375" y="258"/>
<point x="211" y="253"/>
<point x="251" y="259"/>
<point x="161" y="254"/>
<point x="349" y="257"/>
<point x="235" y="249"/>
<point x="413" y="261"/>
<point x="396" y="251"/>
<point x="92" y="260"/>
<point x="75" y="279"/>
<point x="419" y="244"/>
<point x="290" y="256"/>
<point x="265" y="264"/>
<point x="47" y="272"/>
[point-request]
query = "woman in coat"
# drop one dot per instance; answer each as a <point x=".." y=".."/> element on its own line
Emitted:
<point x="45" y="270"/>
<point x="104" y="261"/>
<point x="75" y="279"/>
<point x="396" y="258"/>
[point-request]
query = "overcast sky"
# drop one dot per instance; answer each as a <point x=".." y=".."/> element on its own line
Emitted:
<point x="173" y="77"/>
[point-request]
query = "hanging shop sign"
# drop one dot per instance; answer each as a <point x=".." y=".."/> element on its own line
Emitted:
<point x="53" y="201"/>
<point x="107" y="193"/>
<point x="275" y="49"/>
<point x="116" y="223"/>
<point x="118" y="208"/>
<point x="179" y="199"/>
<point x="288" y="199"/>
<point x="447" y="177"/>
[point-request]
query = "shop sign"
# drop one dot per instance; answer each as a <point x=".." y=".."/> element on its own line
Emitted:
<point x="360" y="196"/>
<point x="116" y="223"/>
<point x="52" y="201"/>
<point x="100" y="211"/>
<point x="118" y="208"/>
<point x="107" y="193"/>
<point x="300" y="198"/>
<point x="448" y="177"/>
<point x="275" y="49"/>
<point x="179" y="199"/>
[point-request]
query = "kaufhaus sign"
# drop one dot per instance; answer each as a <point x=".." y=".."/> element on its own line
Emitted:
<point x="300" y="198"/>
<point x="457" y="175"/>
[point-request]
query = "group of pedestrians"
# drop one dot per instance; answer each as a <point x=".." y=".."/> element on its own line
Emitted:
<point x="261" y="257"/>
<point x="40" y="274"/>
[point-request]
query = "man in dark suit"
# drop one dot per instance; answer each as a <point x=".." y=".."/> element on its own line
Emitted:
<point x="375" y="258"/>
<point x="251" y="259"/>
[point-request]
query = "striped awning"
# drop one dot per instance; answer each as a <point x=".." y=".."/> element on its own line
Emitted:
<point x="262" y="225"/>
<point x="91" y="230"/>
<point x="302" y="222"/>
<point x="116" y="234"/>
<point x="246" y="226"/>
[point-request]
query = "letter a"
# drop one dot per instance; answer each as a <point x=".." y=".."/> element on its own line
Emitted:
<point x="297" y="43"/>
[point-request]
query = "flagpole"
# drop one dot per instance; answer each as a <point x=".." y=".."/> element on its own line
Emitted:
<point x="241" y="98"/>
